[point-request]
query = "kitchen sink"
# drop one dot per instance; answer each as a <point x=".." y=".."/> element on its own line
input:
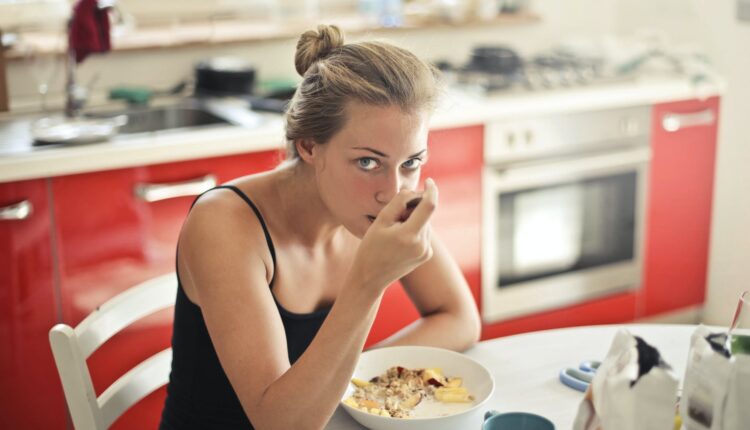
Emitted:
<point x="151" y="119"/>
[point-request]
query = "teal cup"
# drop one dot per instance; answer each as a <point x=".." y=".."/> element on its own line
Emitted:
<point x="494" y="420"/>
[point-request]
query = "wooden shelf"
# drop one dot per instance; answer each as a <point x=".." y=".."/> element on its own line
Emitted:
<point x="236" y="31"/>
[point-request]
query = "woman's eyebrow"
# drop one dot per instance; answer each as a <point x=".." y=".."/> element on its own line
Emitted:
<point x="376" y="152"/>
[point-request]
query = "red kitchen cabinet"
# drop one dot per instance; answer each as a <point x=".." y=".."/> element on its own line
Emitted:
<point x="679" y="205"/>
<point x="455" y="163"/>
<point x="118" y="228"/>
<point x="29" y="307"/>
<point x="615" y="309"/>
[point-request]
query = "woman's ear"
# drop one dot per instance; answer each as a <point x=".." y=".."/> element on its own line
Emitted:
<point x="306" y="149"/>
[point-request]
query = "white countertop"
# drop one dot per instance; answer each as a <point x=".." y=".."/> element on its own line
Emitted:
<point x="20" y="160"/>
<point x="526" y="367"/>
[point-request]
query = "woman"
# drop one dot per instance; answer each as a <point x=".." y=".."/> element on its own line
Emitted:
<point x="281" y="273"/>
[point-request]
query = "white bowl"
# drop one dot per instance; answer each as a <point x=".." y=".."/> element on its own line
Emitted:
<point x="476" y="378"/>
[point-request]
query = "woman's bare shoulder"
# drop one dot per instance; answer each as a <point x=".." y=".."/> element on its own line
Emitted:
<point x="228" y="207"/>
<point x="221" y="232"/>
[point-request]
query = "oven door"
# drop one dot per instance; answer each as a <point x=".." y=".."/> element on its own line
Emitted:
<point x="562" y="231"/>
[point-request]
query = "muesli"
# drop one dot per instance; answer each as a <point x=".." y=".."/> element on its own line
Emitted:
<point x="398" y="391"/>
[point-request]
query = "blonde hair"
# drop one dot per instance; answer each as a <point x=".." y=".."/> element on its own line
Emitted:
<point x="334" y="74"/>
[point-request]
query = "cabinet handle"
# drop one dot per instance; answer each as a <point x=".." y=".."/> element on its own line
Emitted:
<point x="155" y="192"/>
<point x="676" y="121"/>
<point x="19" y="211"/>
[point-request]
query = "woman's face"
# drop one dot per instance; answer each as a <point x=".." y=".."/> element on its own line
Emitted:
<point x="379" y="151"/>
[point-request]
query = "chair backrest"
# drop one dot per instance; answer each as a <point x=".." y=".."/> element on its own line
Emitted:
<point x="72" y="346"/>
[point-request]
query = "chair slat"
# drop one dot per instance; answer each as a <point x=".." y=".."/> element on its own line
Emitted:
<point x="133" y="386"/>
<point x="72" y="346"/>
<point x="126" y="308"/>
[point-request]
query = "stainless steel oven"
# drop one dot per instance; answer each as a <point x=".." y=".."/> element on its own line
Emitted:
<point x="563" y="209"/>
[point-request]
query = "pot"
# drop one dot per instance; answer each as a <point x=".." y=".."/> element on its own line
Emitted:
<point x="495" y="59"/>
<point x="224" y="76"/>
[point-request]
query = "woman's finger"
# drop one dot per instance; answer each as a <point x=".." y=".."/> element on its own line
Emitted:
<point x="392" y="212"/>
<point x="424" y="209"/>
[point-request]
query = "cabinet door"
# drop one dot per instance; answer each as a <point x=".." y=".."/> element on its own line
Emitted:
<point x="455" y="163"/>
<point x="118" y="228"/>
<point x="28" y="309"/>
<point x="615" y="309"/>
<point x="679" y="205"/>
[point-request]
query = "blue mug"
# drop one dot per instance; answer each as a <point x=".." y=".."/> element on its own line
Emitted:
<point x="494" y="420"/>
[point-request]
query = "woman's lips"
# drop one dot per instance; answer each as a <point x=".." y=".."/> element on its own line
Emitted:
<point x="410" y="206"/>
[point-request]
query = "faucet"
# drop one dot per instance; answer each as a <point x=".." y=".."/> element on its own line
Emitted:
<point x="75" y="95"/>
<point x="88" y="32"/>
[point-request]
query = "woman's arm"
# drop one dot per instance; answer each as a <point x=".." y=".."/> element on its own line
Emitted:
<point x="449" y="314"/>
<point x="223" y="259"/>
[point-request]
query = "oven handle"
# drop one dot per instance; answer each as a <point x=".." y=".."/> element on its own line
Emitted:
<point x="523" y="177"/>
<point x="673" y="122"/>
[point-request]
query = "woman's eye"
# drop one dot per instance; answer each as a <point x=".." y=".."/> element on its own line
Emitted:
<point x="367" y="163"/>
<point x="413" y="164"/>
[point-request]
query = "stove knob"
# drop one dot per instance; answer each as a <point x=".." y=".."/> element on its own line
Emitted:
<point x="629" y="126"/>
<point x="510" y="139"/>
<point x="529" y="137"/>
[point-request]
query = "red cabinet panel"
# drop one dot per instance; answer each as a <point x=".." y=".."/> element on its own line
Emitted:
<point x="679" y="206"/>
<point x="28" y="309"/>
<point x="610" y="310"/>
<point x="110" y="240"/>
<point x="455" y="163"/>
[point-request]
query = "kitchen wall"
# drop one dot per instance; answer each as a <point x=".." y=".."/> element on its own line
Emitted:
<point x="706" y="24"/>
<point x="729" y="270"/>
<point x="163" y="68"/>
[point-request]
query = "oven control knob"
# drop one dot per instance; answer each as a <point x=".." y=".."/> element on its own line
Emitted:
<point x="528" y="137"/>
<point x="510" y="139"/>
<point x="629" y="126"/>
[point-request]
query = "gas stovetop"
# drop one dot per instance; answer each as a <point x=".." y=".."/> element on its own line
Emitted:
<point x="539" y="73"/>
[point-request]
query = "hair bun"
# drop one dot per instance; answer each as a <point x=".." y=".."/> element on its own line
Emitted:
<point x="314" y="45"/>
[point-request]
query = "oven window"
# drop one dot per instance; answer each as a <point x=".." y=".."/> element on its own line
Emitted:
<point x="566" y="227"/>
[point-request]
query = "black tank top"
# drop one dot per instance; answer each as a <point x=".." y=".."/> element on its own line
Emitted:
<point x="199" y="395"/>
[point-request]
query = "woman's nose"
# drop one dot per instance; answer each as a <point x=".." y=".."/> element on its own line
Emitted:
<point x="389" y="187"/>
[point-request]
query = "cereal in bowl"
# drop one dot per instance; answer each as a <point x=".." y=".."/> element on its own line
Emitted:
<point x="397" y="392"/>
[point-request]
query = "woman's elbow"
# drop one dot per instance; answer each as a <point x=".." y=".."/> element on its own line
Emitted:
<point x="472" y="324"/>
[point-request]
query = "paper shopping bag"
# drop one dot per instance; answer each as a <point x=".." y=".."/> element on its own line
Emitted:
<point x="716" y="389"/>
<point x="634" y="389"/>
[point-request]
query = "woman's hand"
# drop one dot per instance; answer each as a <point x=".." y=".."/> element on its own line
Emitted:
<point x="398" y="240"/>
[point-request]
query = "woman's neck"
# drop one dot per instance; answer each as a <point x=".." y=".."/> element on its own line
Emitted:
<point x="302" y="207"/>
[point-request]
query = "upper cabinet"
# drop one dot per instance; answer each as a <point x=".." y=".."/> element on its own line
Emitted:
<point x="679" y="204"/>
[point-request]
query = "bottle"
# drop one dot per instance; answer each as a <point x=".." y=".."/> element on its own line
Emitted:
<point x="487" y="10"/>
<point x="390" y="13"/>
<point x="370" y="11"/>
<point x="739" y="331"/>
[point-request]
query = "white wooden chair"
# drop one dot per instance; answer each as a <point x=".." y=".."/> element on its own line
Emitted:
<point x="72" y="346"/>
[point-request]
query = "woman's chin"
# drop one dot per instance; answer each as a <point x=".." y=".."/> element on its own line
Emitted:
<point x="358" y="229"/>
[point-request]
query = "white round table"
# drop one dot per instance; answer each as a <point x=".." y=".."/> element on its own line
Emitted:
<point x="526" y="366"/>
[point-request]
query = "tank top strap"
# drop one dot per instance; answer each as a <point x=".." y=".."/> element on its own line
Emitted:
<point x="260" y="218"/>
